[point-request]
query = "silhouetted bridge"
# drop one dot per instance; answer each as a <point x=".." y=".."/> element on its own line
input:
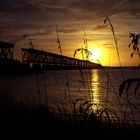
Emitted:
<point x="38" y="59"/>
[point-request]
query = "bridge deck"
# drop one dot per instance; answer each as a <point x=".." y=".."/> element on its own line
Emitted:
<point x="44" y="59"/>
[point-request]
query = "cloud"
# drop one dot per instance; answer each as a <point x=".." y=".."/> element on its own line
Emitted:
<point x="37" y="14"/>
<point x="5" y="32"/>
<point x="108" y="44"/>
<point x="99" y="27"/>
<point x="72" y="9"/>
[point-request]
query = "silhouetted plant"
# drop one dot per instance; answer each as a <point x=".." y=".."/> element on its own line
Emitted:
<point x="83" y="51"/>
<point x="74" y="102"/>
<point x="125" y="85"/>
<point x="134" y="44"/>
<point x="108" y="116"/>
<point x="107" y="19"/>
<point x="84" y="108"/>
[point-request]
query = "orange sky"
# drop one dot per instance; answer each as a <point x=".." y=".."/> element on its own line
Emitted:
<point x="73" y="17"/>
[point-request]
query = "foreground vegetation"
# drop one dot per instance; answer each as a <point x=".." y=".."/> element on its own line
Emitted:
<point x="18" y="119"/>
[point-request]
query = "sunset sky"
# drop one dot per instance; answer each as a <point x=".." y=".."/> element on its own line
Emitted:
<point x="74" y="18"/>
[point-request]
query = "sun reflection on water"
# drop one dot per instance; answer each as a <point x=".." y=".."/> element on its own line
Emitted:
<point x="95" y="89"/>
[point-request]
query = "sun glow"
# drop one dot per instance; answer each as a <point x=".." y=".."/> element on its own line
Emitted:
<point x="96" y="54"/>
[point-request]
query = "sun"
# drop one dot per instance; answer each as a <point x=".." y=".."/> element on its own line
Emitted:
<point x="96" y="54"/>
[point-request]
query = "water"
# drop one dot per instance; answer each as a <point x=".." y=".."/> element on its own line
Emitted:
<point x="99" y="86"/>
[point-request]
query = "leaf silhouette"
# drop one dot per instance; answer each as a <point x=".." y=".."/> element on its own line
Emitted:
<point x="126" y="85"/>
<point x="122" y="87"/>
<point x="131" y="34"/>
<point x="134" y="43"/>
<point x="136" y="88"/>
<point x="105" y="20"/>
<point x="86" y="51"/>
<point x="132" y="54"/>
<point x="74" y="53"/>
<point x="129" y="45"/>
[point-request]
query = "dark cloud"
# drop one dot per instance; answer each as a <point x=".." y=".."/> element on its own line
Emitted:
<point x="64" y="9"/>
<point x="38" y="14"/>
<point x="5" y="32"/>
<point x="99" y="27"/>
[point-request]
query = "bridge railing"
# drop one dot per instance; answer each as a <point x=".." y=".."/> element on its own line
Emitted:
<point x="34" y="56"/>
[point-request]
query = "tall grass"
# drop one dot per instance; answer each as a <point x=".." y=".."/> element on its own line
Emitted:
<point x="67" y="85"/>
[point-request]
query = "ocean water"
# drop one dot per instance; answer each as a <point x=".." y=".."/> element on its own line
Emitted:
<point x="64" y="87"/>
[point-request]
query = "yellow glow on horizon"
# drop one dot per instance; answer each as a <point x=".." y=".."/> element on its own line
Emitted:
<point x="103" y="52"/>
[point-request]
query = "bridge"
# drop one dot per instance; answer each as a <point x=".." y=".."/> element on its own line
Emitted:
<point x="39" y="59"/>
<point x="6" y="50"/>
